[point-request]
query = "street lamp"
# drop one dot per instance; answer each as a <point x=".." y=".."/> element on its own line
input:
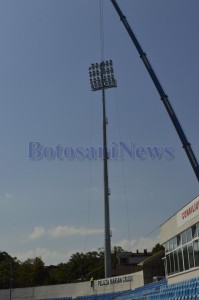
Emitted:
<point x="101" y="78"/>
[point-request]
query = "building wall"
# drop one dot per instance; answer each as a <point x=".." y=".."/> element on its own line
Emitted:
<point x="180" y="221"/>
<point x="180" y="236"/>
<point x="110" y="285"/>
<point x="183" y="276"/>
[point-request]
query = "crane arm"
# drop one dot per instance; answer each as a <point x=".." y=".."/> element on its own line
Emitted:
<point x="163" y="96"/>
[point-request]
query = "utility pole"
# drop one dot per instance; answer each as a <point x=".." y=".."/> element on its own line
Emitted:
<point x="101" y="78"/>
<point x="11" y="281"/>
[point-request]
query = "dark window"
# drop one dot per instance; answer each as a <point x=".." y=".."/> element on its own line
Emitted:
<point x="180" y="260"/>
<point x="165" y="265"/>
<point x="196" y="253"/>
<point x="191" y="259"/>
<point x="194" y="231"/>
<point x="168" y="264"/>
<point x="197" y="229"/>
<point x="124" y="260"/>
<point x="178" y="240"/>
<point x="175" y="256"/>
<point x="172" y="262"/>
<point x="186" y="259"/>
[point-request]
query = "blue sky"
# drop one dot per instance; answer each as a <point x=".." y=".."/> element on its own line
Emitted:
<point x="53" y="208"/>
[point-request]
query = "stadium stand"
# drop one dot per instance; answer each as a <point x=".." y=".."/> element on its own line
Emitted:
<point x="186" y="290"/>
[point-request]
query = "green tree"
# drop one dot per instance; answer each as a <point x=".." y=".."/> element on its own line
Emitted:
<point x="115" y="251"/>
<point x="81" y="266"/>
<point x="30" y="273"/>
<point x="8" y="266"/>
<point x="56" y="274"/>
<point x="157" y="248"/>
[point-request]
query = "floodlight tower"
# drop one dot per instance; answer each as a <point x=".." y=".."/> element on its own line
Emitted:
<point x="101" y="78"/>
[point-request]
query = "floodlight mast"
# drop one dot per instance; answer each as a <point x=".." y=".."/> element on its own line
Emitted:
<point x="186" y="145"/>
<point x="101" y="78"/>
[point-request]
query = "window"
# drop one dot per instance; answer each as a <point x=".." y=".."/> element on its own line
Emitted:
<point x="197" y="229"/>
<point x="189" y="234"/>
<point x="175" y="256"/>
<point x="168" y="264"/>
<point x="171" y="245"/>
<point x="183" y="237"/>
<point x="174" y="243"/>
<point x="182" y="251"/>
<point x="178" y="240"/>
<point x="165" y="266"/>
<point x="191" y="259"/>
<point x="186" y="259"/>
<point x="194" y="231"/>
<point x="180" y="260"/>
<point x="166" y="245"/>
<point x="172" y="262"/>
<point x="196" y="253"/>
<point x="124" y="260"/>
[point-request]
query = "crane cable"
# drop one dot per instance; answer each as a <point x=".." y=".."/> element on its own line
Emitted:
<point x="123" y="172"/>
<point x="90" y="174"/>
<point x="101" y="8"/>
<point x="101" y="22"/>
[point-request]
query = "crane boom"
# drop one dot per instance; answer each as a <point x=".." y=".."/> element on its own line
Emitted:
<point x="163" y="96"/>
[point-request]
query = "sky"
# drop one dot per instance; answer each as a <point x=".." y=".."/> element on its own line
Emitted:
<point x="53" y="207"/>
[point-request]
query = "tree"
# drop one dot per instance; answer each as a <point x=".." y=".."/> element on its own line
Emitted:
<point x="56" y="274"/>
<point x="115" y="251"/>
<point x="81" y="266"/>
<point x="33" y="272"/>
<point x="157" y="248"/>
<point x="30" y="273"/>
<point x="8" y="265"/>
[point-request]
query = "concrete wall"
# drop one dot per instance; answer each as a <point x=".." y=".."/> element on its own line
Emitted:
<point x="183" y="276"/>
<point x="113" y="284"/>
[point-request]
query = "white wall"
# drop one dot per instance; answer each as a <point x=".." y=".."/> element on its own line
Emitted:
<point x="113" y="284"/>
<point x="180" y="221"/>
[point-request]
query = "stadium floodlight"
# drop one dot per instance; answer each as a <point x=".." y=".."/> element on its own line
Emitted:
<point x="100" y="76"/>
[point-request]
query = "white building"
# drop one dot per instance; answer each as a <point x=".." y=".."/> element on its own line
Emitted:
<point x="180" y="236"/>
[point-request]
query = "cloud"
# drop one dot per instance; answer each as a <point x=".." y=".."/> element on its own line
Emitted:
<point x="37" y="232"/>
<point x="49" y="257"/>
<point x="71" y="231"/>
<point x="60" y="231"/>
<point x="139" y="244"/>
<point x="8" y="195"/>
